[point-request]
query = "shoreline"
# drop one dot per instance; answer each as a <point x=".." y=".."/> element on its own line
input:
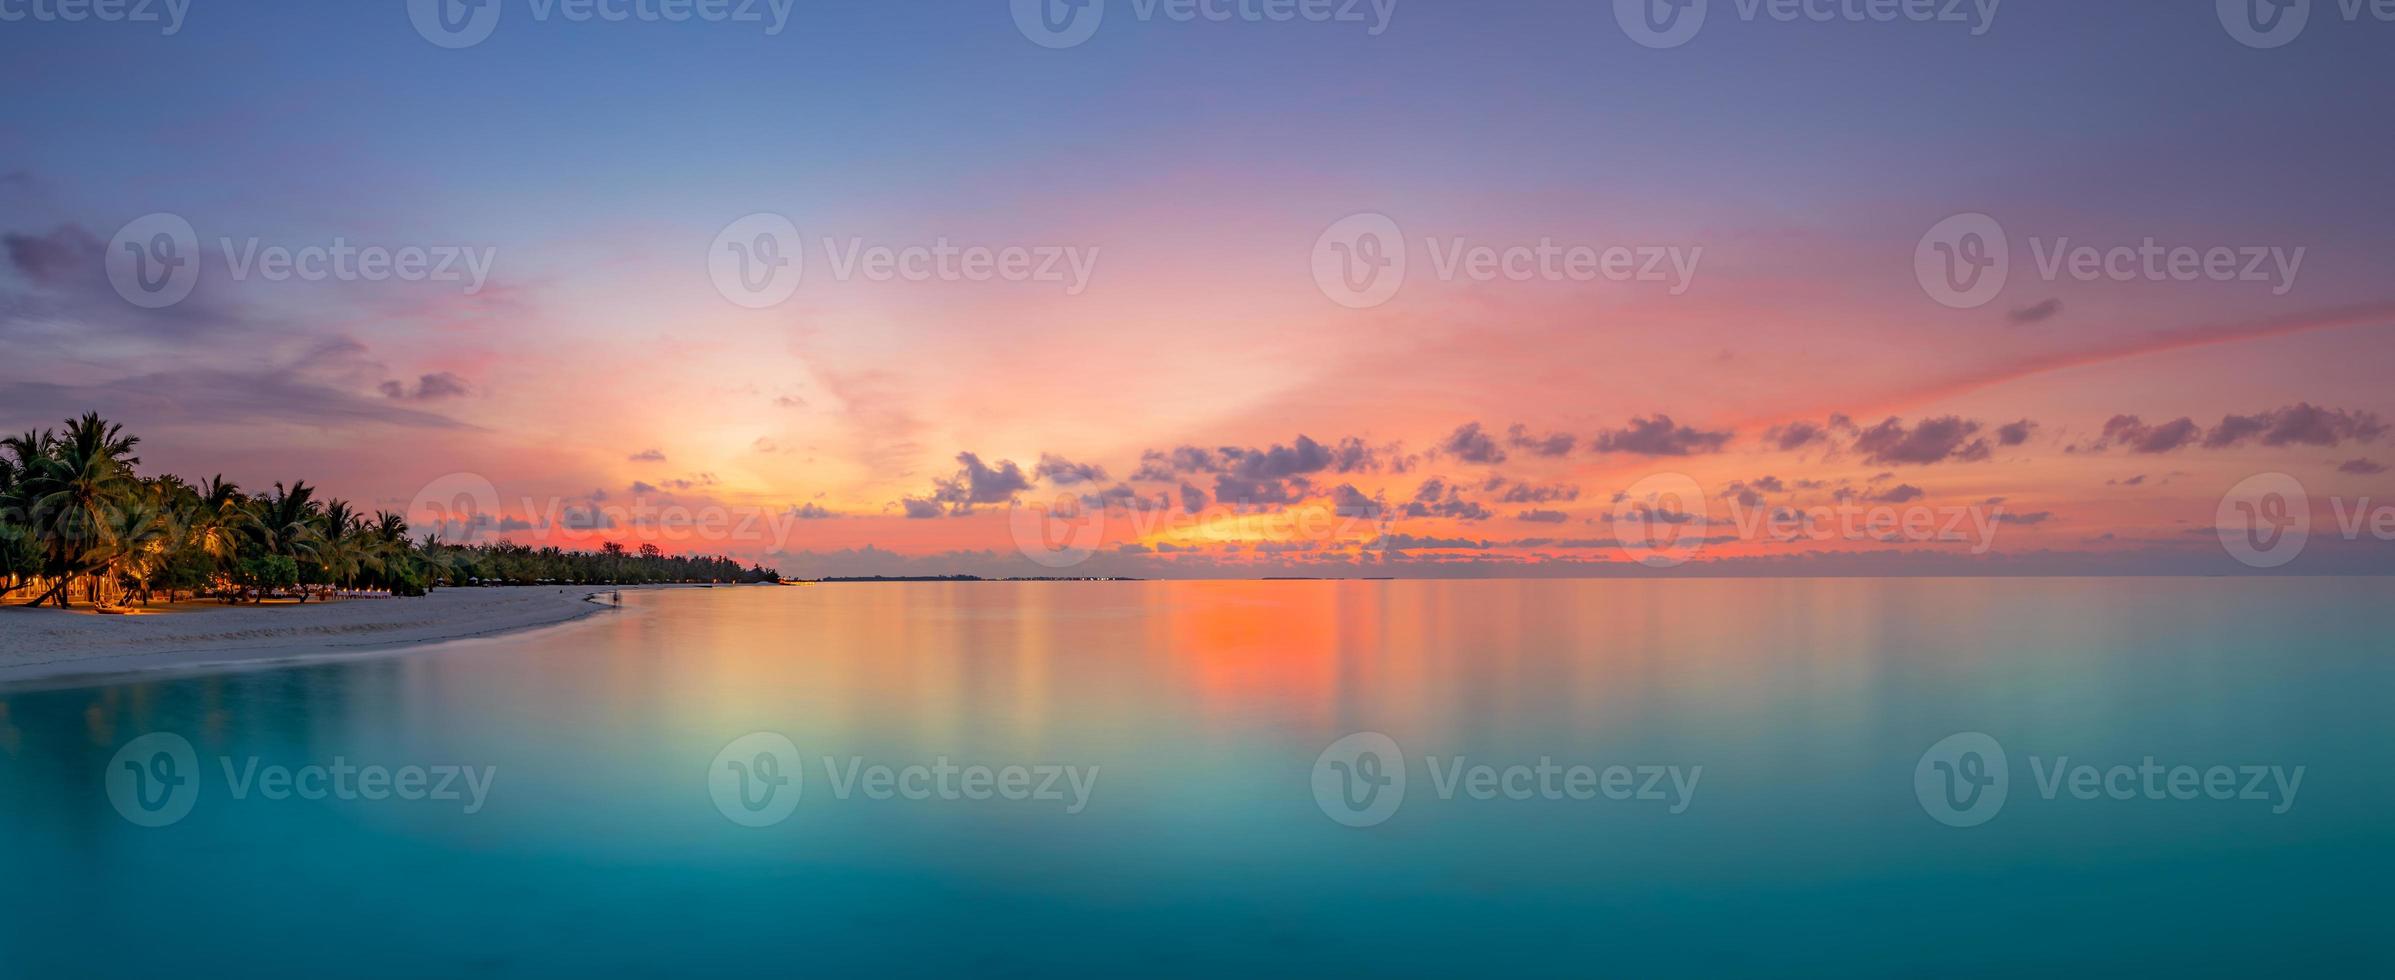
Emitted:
<point x="55" y="648"/>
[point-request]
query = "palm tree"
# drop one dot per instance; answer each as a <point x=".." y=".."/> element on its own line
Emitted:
<point x="72" y="492"/>
<point x="342" y="544"/>
<point x="284" y="523"/>
<point x="139" y="534"/>
<point x="391" y="555"/>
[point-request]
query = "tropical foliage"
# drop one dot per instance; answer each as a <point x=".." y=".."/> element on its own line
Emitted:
<point x="77" y="522"/>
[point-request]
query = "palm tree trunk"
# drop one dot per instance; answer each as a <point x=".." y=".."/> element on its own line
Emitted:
<point x="58" y="591"/>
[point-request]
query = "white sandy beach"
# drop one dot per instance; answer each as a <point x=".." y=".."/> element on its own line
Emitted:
<point x="38" y="644"/>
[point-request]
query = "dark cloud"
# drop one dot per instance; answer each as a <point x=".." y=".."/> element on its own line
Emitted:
<point x="2133" y="433"/>
<point x="2296" y="425"/>
<point x="1351" y="455"/>
<point x="1550" y="445"/>
<point x="591" y="518"/>
<point x="67" y="272"/>
<point x="1402" y="542"/>
<point x="216" y="397"/>
<point x="2015" y="433"/>
<point x="2362" y="467"/>
<point x="1123" y="496"/>
<point x="2038" y="313"/>
<point x="1347" y="501"/>
<point x="1524" y="493"/>
<point x="917" y="510"/>
<point x="1658" y="436"/>
<point x="1750" y="492"/>
<point x="978" y="483"/>
<point x="1064" y="472"/>
<point x="1543" y="516"/>
<point x="1240" y="491"/>
<point x="68" y="253"/>
<point x="1192" y="498"/>
<point x="1471" y="445"/>
<point x="2302" y="424"/>
<point x="1795" y="435"/>
<point x="1438" y="498"/>
<point x="1891" y="443"/>
<point x="1267" y="475"/>
<point x="643" y="488"/>
<point x="647" y="456"/>
<point x="1161" y="466"/>
<point x="430" y="387"/>
<point x="812" y="512"/>
<point x="1901" y="494"/>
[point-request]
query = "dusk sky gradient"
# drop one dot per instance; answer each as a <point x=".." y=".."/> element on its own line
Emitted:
<point x="601" y="366"/>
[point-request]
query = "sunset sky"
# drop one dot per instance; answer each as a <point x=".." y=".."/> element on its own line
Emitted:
<point x="1788" y="353"/>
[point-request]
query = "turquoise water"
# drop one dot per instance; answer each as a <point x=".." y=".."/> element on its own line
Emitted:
<point x="1805" y="844"/>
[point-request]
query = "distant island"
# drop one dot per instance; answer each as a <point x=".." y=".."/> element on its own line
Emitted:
<point x="975" y="578"/>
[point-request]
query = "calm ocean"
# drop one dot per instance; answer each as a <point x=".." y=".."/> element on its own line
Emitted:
<point x="1641" y="778"/>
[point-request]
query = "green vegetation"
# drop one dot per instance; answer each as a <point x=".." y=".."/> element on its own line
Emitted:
<point x="76" y="521"/>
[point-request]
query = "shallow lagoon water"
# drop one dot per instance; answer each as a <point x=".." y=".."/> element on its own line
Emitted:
<point x="1204" y="710"/>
